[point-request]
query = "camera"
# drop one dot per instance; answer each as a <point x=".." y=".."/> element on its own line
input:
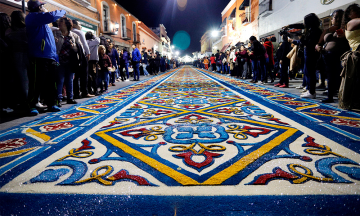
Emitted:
<point x="284" y="32"/>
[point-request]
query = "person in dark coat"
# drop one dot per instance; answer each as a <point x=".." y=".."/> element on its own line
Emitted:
<point x="16" y="39"/>
<point x="122" y="66"/>
<point x="156" y="63"/>
<point x="309" y="41"/>
<point x="258" y="58"/>
<point x="163" y="64"/>
<point x="283" y="51"/>
<point x="114" y="57"/>
<point x="126" y="58"/>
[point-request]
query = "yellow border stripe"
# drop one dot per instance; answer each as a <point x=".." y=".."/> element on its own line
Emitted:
<point x="8" y="154"/>
<point x="181" y="178"/>
<point x="38" y="134"/>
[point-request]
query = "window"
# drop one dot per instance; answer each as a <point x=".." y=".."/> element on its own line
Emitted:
<point x="123" y="26"/>
<point x="134" y="31"/>
<point x="246" y="17"/>
<point x="105" y="16"/>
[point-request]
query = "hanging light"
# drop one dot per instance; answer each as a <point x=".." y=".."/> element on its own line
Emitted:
<point x="116" y="25"/>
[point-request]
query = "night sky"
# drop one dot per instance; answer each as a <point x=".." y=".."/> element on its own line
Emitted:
<point x="198" y="17"/>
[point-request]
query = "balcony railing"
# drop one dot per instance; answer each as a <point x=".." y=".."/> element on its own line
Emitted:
<point x="265" y="8"/>
<point x="84" y="3"/>
<point x="126" y="35"/>
<point x="137" y="39"/>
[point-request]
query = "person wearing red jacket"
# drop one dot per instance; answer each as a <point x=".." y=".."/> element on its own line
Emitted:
<point x="270" y="61"/>
<point x="213" y="62"/>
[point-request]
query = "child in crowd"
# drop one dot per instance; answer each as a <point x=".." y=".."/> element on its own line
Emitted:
<point x="104" y="67"/>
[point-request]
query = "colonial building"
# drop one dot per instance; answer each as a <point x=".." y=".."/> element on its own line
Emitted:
<point x="239" y="22"/>
<point x="149" y="41"/>
<point x="83" y="10"/>
<point x="165" y="45"/>
<point x="207" y="43"/>
<point x="117" y="23"/>
<point x="275" y="14"/>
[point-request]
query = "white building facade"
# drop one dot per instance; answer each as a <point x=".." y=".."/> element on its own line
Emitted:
<point x="275" y="14"/>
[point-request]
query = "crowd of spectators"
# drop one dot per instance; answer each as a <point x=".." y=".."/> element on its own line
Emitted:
<point x="47" y="60"/>
<point x="328" y="57"/>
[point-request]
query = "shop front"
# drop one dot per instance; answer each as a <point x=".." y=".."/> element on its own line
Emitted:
<point x="86" y="26"/>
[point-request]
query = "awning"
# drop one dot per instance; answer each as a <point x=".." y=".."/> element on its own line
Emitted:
<point x="233" y="14"/>
<point x="225" y="47"/>
<point x="223" y="24"/>
<point x="244" y="4"/>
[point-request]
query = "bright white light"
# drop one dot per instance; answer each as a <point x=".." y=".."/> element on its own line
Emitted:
<point x="177" y="53"/>
<point x="215" y="33"/>
<point x="215" y="47"/>
<point x="173" y="46"/>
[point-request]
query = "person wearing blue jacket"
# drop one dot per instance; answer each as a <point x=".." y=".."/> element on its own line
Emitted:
<point x="114" y="56"/>
<point x="126" y="59"/>
<point x="43" y="57"/>
<point x="136" y="57"/>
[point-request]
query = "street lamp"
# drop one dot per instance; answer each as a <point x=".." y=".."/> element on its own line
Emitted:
<point x="177" y="53"/>
<point x="172" y="46"/>
<point x="214" y="33"/>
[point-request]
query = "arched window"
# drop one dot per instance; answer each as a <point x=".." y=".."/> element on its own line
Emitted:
<point x="105" y="18"/>
<point x="134" y="31"/>
<point x="123" y="25"/>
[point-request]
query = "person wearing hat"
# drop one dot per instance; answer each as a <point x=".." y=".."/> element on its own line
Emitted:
<point x="42" y="53"/>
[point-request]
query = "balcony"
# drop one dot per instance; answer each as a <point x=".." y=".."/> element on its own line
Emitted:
<point x="84" y="3"/>
<point x="265" y="8"/>
<point x="137" y="39"/>
<point x="126" y="35"/>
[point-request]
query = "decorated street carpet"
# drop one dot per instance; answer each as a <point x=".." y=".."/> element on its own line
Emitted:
<point x="188" y="142"/>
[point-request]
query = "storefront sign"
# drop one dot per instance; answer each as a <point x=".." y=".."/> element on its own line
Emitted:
<point x="86" y="26"/>
<point x="326" y="2"/>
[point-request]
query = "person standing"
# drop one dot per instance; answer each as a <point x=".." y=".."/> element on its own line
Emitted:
<point x="308" y="43"/>
<point x="114" y="57"/>
<point x="16" y="40"/>
<point x="42" y="54"/>
<point x="218" y="61"/>
<point x="232" y="61"/>
<point x="136" y="57"/>
<point x="122" y="66"/>
<point x="162" y="64"/>
<point x="66" y="47"/>
<point x="244" y="59"/>
<point x="284" y="61"/>
<point x="104" y="66"/>
<point x="93" y="43"/>
<point x="270" y="62"/>
<point x="157" y="63"/>
<point x="206" y="63"/>
<point x="213" y="62"/>
<point x="84" y="66"/>
<point x="144" y="61"/>
<point x="258" y="59"/>
<point x="126" y="58"/>
<point x="332" y="52"/>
